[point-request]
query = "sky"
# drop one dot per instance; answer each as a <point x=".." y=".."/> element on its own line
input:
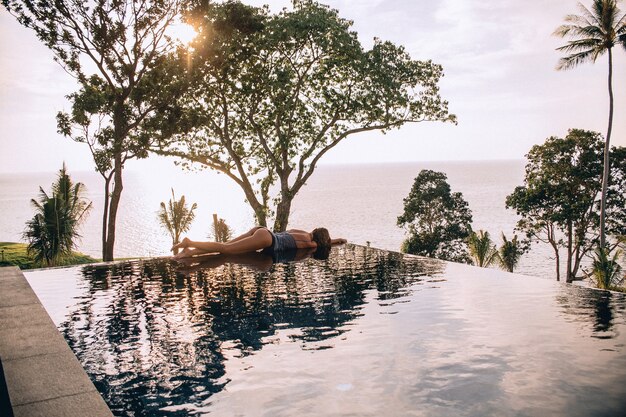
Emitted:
<point x="500" y="80"/>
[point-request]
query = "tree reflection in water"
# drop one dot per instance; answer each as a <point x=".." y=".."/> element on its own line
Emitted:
<point x="151" y="334"/>
<point x="602" y="307"/>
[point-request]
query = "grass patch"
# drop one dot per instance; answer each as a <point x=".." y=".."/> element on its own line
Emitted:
<point x="15" y="254"/>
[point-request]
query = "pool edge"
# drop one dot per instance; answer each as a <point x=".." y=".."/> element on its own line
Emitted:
<point x="43" y="376"/>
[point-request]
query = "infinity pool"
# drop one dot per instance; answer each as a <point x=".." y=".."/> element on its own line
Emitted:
<point x="364" y="333"/>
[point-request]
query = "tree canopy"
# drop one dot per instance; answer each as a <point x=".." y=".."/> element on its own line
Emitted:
<point x="271" y="94"/>
<point x="116" y="52"/>
<point x="558" y="202"/>
<point x="438" y="221"/>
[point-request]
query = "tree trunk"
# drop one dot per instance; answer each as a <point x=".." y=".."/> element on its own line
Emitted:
<point x="119" y="133"/>
<point x="260" y="210"/>
<point x="568" y="273"/>
<point x="558" y="272"/>
<point x="557" y="259"/>
<point x="260" y="214"/>
<point x="577" y="256"/>
<point x="576" y="263"/>
<point x="282" y="213"/>
<point x="216" y="233"/>
<point x="113" y="206"/>
<point x="605" y="175"/>
<point x="283" y="208"/>
<point x="105" y="215"/>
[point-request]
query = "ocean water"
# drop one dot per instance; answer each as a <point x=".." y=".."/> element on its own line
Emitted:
<point x="358" y="202"/>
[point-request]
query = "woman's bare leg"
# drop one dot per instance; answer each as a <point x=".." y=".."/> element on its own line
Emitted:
<point x="187" y="243"/>
<point x="261" y="238"/>
<point x="188" y="253"/>
<point x="247" y="234"/>
<point x="182" y="245"/>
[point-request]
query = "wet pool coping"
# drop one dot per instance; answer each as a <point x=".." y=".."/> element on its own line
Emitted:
<point x="43" y="376"/>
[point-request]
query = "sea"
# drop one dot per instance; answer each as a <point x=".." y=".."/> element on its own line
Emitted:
<point x="359" y="202"/>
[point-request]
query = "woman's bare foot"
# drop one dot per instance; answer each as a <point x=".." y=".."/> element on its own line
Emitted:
<point x="182" y="245"/>
<point x="185" y="253"/>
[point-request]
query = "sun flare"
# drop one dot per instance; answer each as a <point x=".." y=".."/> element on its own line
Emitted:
<point x="182" y="32"/>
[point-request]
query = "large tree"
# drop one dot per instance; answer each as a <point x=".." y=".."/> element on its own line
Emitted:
<point x="558" y="203"/>
<point x="594" y="33"/>
<point x="114" y="49"/>
<point x="271" y="94"/>
<point x="438" y="221"/>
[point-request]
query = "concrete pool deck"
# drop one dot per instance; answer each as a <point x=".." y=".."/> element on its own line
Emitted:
<point x="43" y="376"/>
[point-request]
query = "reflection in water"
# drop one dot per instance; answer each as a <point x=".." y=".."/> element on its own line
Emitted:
<point x="596" y="310"/>
<point x="153" y="334"/>
<point x="365" y="333"/>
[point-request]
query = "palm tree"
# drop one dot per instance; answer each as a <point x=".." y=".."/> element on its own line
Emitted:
<point x="606" y="269"/>
<point x="221" y="231"/>
<point x="510" y="253"/>
<point x="53" y="231"/>
<point x="482" y="250"/>
<point x="176" y="217"/>
<point x="43" y="245"/>
<point x="593" y="33"/>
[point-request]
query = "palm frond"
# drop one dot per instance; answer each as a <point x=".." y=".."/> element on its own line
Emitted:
<point x="578" y="20"/>
<point x="482" y="251"/>
<point x="53" y="230"/>
<point x="581" y="45"/>
<point x="574" y="60"/>
<point x="176" y="217"/>
<point x="606" y="268"/>
<point x="588" y="15"/>
<point x="592" y="33"/>
<point x="510" y="253"/>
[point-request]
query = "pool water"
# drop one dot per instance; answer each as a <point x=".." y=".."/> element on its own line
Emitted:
<point x="364" y="333"/>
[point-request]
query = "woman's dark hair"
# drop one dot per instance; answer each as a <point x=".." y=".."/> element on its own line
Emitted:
<point x="322" y="238"/>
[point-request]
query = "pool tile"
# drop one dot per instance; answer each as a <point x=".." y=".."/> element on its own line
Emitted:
<point x="45" y="377"/>
<point x="23" y="342"/>
<point x="80" y="405"/>
<point x="21" y="316"/>
<point x="15" y="288"/>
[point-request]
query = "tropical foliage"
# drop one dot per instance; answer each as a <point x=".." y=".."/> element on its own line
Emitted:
<point x="176" y="217"/>
<point x="16" y="254"/>
<point x="437" y="220"/>
<point x="482" y="251"/>
<point x="53" y="230"/>
<point x="558" y="202"/>
<point x="116" y="52"/>
<point x="510" y="253"/>
<point x="271" y="94"/>
<point x="606" y="269"/>
<point x="221" y="231"/>
<point x="593" y="33"/>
